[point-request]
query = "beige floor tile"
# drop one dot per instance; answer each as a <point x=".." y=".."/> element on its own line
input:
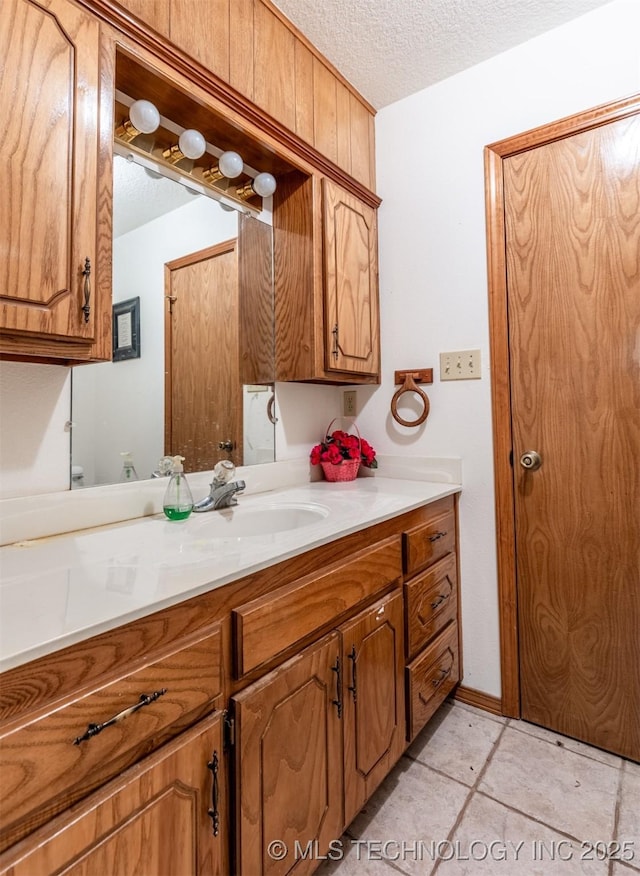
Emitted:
<point x="566" y="742"/>
<point x="629" y="817"/>
<point x="482" y="712"/>
<point x="566" y="791"/>
<point x="353" y="862"/>
<point x="492" y="840"/>
<point x="413" y="809"/>
<point x="457" y="742"/>
<point x="621" y="869"/>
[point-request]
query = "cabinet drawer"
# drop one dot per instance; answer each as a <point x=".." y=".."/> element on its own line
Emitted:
<point x="431" y="677"/>
<point x="46" y="763"/>
<point x="430" y="603"/>
<point x="270" y="624"/>
<point x="429" y="542"/>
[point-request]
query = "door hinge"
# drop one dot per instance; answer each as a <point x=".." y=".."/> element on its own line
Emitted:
<point x="171" y="299"/>
<point x="229" y="731"/>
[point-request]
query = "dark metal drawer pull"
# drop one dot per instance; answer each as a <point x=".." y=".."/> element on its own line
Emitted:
<point x="443" y="674"/>
<point x="437" y="536"/>
<point x="353" y="687"/>
<point x="441" y="598"/>
<point x="94" y="729"/>
<point x="338" y="703"/>
<point x="86" y="273"/>
<point x="213" y="813"/>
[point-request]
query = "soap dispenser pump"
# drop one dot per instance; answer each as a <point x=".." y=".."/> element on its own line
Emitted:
<point x="128" y="472"/>
<point x="178" y="501"/>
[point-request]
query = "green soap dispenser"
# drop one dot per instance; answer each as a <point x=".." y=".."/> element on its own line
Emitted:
<point x="178" y="501"/>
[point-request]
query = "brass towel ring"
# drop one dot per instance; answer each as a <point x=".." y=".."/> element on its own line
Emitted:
<point x="409" y="384"/>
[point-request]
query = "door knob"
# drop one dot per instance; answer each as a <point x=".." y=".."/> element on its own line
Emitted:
<point x="226" y="445"/>
<point x="531" y="460"/>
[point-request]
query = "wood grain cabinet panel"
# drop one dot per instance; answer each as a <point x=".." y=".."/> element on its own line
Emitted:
<point x="431" y="677"/>
<point x="270" y="624"/>
<point x="429" y="542"/>
<point x="155" y="13"/>
<point x="153" y="819"/>
<point x="56" y="756"/>
<point x="274" y="58"/>
<point x="289" y="762"/>
<point x="241" y="46"/>
<point x="374" y="719"/>
<point x="325" y="110"/>
<point x="352" y="330"/>
<point x="202" y="30"/>
<point x="49" y="61"/>
<point x="431" y="602"/>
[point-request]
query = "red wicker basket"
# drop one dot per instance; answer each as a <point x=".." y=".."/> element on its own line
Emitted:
<point x="347" y="470"/>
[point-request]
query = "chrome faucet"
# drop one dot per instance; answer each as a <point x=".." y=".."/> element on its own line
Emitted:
<point x="223" y="489"/>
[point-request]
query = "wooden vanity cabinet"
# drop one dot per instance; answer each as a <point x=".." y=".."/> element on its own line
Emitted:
<point x="49" y="159"/>
<point x="315" y="737"/>
<point x="167" y="815"/>
<point x="432" y="601"/>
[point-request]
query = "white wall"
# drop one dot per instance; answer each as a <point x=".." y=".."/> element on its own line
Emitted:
<point x="433" y="265"/>
<point x="432" y="283"/>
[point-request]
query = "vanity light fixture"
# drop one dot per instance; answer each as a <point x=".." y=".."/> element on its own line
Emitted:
<point x="191" y="144"/>
<point x="230" y="165"/>
<point x="263" y="185"/>
<point x="144" y="118"/>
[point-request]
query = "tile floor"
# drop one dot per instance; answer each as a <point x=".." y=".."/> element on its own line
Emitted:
<point x="479" y="794"/>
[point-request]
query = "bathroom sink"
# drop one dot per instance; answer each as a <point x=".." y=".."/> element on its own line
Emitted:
<point x="243" y="521"/>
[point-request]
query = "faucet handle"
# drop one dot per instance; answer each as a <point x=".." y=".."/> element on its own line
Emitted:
<point x="223" y="472"/>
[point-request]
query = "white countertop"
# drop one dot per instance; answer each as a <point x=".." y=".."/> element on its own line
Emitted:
<point x="62" y="589"/>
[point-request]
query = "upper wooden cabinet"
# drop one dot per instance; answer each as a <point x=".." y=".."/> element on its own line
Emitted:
<point x="49" y="69"/>
<point x="326" y="283"/>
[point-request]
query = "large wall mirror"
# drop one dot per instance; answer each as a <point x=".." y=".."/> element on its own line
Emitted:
<point x="192" y="294"/>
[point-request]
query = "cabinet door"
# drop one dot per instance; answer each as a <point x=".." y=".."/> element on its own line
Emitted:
<point x="48" y="166"/>
<point x="352" y="329"/>
<point x="374" y="715"/>
<point x="153" y="819"/>
<point x="289" y="764"/>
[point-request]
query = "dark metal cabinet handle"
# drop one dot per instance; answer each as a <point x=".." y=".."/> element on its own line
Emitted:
<point x="354" y="678"/>
<point x="441" y="598"/>
<point x="438" y="535"/>
<point x="338" y="671"/>
<point x="94" y="729"/>
<point x="214" y="813"/>
<point x="334" y="332"/>
<point x="443" y="674"/>
<point x="86" y="273"/>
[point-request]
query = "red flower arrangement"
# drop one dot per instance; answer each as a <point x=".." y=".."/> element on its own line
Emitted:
<point x="340" y="445"/>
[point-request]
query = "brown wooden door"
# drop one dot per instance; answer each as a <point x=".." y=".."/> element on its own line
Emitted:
<point x="289" y="764"/>
<point x="48" y="164"/>
<point x="352" y="329"/>
<point x="153" y="819"/>
<point x="572" y="211"/>
<point x="374" y="715"/>
<point x="203" y="394"/>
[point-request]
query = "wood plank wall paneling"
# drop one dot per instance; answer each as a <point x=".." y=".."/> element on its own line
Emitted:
<point x="190" y="21"/>
<point x="304" y="93"/>
<point x="241" y="46"/>
<point x="274" y="49"/>
<point x="325" y="133"/>
<point x="343" y="127"/>
<point x="155" y="13"/>
<point x="362" y="154"/>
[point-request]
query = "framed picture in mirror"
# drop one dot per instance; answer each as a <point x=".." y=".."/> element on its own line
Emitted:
<point x="126" y="329"/>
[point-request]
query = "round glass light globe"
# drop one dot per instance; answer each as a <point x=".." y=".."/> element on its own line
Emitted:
<point x="264" y="185"/>
<point x="192" y="143"/>
<point x="230" y="164"/>
<point x="144" y="116"/>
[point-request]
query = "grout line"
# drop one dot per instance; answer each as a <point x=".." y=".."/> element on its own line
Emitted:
<point x="472" y="791"/>
<point x="616" y="814"/>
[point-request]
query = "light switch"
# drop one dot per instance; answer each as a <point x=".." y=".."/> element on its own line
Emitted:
<point x="460" y="365"/>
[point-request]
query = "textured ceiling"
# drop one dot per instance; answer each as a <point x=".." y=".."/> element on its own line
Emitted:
<point x="389" y="49"/>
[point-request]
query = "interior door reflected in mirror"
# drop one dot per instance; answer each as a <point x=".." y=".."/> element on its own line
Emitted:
<point x="201" y="385"/>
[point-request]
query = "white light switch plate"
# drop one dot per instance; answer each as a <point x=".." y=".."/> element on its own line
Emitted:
<point x="460" y="365"/>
